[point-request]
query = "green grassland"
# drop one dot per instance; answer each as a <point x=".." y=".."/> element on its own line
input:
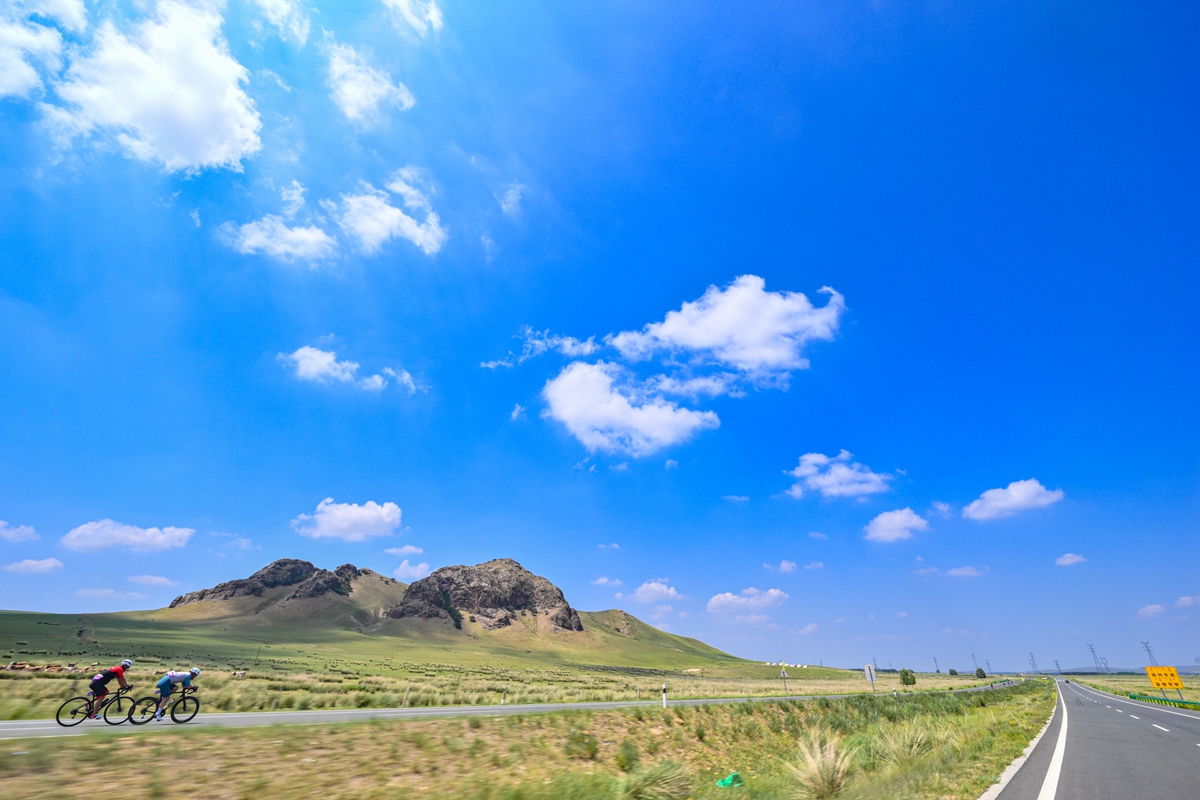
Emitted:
<point x="915" y="745"/>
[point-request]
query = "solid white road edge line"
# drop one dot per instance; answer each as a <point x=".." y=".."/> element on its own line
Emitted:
<point x="1012" y="769"/>
<point x="1050" y="785"/>
<point x="1145" y="706"/>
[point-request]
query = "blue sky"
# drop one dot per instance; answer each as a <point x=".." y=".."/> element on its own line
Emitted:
<point x="832" y="331"/>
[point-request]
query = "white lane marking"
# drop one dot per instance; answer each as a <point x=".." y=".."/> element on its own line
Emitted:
<point x="1146" y="706"/>
<point x="1050" y="784"/>
<point x="1131" y="716"/>
<point x="1119" y="711"/>
<point x="1160" y="727"/>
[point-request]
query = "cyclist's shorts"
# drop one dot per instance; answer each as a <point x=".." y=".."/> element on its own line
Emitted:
<point x="98" y="689"/>
<point x="165" y="687"/>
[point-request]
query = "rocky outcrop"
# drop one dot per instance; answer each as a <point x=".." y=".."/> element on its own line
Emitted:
<point x="308" y="580"/>
<point x="495" y="593"/>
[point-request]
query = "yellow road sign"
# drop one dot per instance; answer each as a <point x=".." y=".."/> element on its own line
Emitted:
<point x="1164" y="678"/>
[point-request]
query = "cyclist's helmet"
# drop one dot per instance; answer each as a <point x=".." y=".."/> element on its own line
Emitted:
<point x="195" y="671"/>
<point x="127" y="663"/>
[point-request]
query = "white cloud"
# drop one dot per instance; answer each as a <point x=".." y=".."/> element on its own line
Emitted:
<point x="359" y="89"/>
<point x="1188" y="601"/>
<point x="411" y="572"/>
<point x="34" y="566"/>
<point x="287" y="16"/>
<point x="107" y="594"/>
<point x="735" y="498"/>
<point x="293" y="198"/>
<point x="835" y="476"/>
<point x="107" y="533"/>
<point x="787" y="566"/>
<point x="815" y="565"/>
<point x="510" y="202"/>
<point x="749" y="599"/>
<point x="406" y="550"/>
<point x="405" y="379"/>
<point x="349" y="522"/>
<point x="371" y="220"/>
<point x="612" y="418"/>
<point x="671" y="463"/>
<point x="152" y="580"/>
<point x="654" y="591"/>
<point x="321" y="366"/>
<point x="537" y="343"/>
<point x="807" y="629"/>
<point x="902" y="615"/>
<point x="235" y="542"/>
<point x="1146" y="612"/>
<point x="964" y="572"/>
<point x="1018" y="496"/>
<point x="20" y="533"/>
<point x="271" y="236"/>
<point x="613" y="546"/>
<point x="1067" y="559"/>
<point x="759" y="333"/>
<point x="941" y="509"/>
<point x="517" y="412"/>
<point x="26" y="46"/>
<point x="420" y="15"/>
<point x="661" y="612"/>
<point x="373" y="383"/>
<point x="604" y="580"/>
<point x="171" y="93"/>
<point x="893" y="526"/>
<point x="816" y="535"/>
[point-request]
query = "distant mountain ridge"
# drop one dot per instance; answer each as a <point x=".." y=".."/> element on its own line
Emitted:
<point x="313" y="582"/>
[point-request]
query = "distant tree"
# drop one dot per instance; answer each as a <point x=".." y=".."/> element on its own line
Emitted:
<point x="979" y="673"/>
<point x="953" y="672"/>
<point x="907" y="678"/>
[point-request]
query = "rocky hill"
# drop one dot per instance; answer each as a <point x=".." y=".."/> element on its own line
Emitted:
<point x="493" y="593"/>
<point x="309" y="581"/>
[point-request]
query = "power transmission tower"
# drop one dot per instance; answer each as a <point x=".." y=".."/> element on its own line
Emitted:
<point x="1057" y="668"/>
<point x="973" y="661"/>
<point x="1150" y="654"/>
<point x="1033" y="662"/>
<point x="989" y="666"/>
<point x="1104" y="661"/>
<point x="1095" y="659"/>
<point x="935" y="665"/>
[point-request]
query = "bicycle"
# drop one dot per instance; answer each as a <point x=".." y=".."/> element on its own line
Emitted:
<point x="77" y="709"/>
<point x="183" y="708"/>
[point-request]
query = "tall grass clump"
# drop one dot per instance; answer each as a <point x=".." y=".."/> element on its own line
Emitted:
<point x="824" y="763"/>
<point x="665" y="780"/>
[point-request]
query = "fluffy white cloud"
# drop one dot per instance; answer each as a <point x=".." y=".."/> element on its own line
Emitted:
<point x="152" y="580"/>
<point x="293" y="198"/>
<point x="807" y="629"/>
<point x="1018" y="496"/>
<point x="604" y="580"/>
<point x="272" y="236"/>
<point x="171" y="92"/>
<point x="405" y="379"/>
<point x="33" y="566"/>
<point x="371" y="220"/>
<point x="750" y="599"/>
<point x="1188" y="601"/>
<point x="107" y="533"/>
<point x="349" y="522"/>
<point x="1067" y="559"/>
<point x="517" y="412"/>
<point x="537" y="343"/>
<point x="759" y="333"/>
<point x="321" y="366"/>
<point x="287" y="16"/>
<point x="964" y="572"/>
<point x="406" y="550"/>
<point x="19" y="533"/>
<point x="1146" y="612"/>
<point x="411" y="572"/>
<point x="835" y="476"/>
<point x="510" y="201"/>
<point x="421" y="15"/>
<point x="654" y="591"/>
<point x="787" y="566"/>
<point x="604" y="416"/>
<point x="27" y="46"/>
<point x="893" y="526"/>
<point x="359" y="89"/>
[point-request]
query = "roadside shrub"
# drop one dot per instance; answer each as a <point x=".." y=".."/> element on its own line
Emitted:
<point x="825" y="764"/>
<point x="979" y="673"/>
<point x="665" y="780"/>
<point x="628" y="757"/>
<point x="953" y="672"/>
<point x="581" y="744"/>
<point x="907" y="678"/>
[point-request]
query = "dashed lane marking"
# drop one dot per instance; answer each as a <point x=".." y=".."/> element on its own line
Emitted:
<point x="1160" y="727"/>
<point x="1131" y="716"/>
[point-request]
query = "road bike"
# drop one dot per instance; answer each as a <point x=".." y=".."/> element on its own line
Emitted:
<point x="183" y="707"/>
<point x="114" y="708"/>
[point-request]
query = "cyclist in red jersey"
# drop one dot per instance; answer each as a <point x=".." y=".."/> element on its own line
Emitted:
<point x="99" y="685"/>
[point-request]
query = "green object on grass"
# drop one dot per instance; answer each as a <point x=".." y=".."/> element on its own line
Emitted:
<point x="733" y="779"/>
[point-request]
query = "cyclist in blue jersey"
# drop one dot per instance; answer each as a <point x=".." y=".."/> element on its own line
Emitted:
<point x="167" y="684"/>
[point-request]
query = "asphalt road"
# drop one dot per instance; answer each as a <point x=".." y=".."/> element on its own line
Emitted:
<point x="27" y="728"/>
<point x="1112" y="748"/>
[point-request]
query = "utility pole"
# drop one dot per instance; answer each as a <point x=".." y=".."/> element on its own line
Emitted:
<point x="1150" y="654"/>
<point x="936" y="668"/>
<point x="1032" y="662"/>
<point x="1095" y="659"/>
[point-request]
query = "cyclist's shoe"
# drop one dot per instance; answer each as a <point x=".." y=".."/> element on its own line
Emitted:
<point x="158" y="716"/>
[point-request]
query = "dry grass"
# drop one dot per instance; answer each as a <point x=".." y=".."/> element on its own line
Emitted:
<point x="527" y="756"/>
<point x="824" y="765"/>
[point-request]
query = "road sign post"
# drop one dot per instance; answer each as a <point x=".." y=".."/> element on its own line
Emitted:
<point x="783" y="674"/>
<point x="1163" y="678"/>
<point x="869" y="669"/>
<point x="664" y="695"/>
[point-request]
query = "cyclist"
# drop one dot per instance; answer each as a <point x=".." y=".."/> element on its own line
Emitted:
<point x="99" y="684"/>
<point x="167" y="685"/>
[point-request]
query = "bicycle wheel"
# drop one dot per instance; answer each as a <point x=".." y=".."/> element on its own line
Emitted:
<point x="73" y="712"/>
<point x="118" y="710"/>
<point x="185" y="709"/>
<point x="143" y="710"/>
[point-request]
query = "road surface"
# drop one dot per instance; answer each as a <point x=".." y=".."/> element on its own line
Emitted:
<point x="1101" y="746"/>
<point x="26" y="728"/>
